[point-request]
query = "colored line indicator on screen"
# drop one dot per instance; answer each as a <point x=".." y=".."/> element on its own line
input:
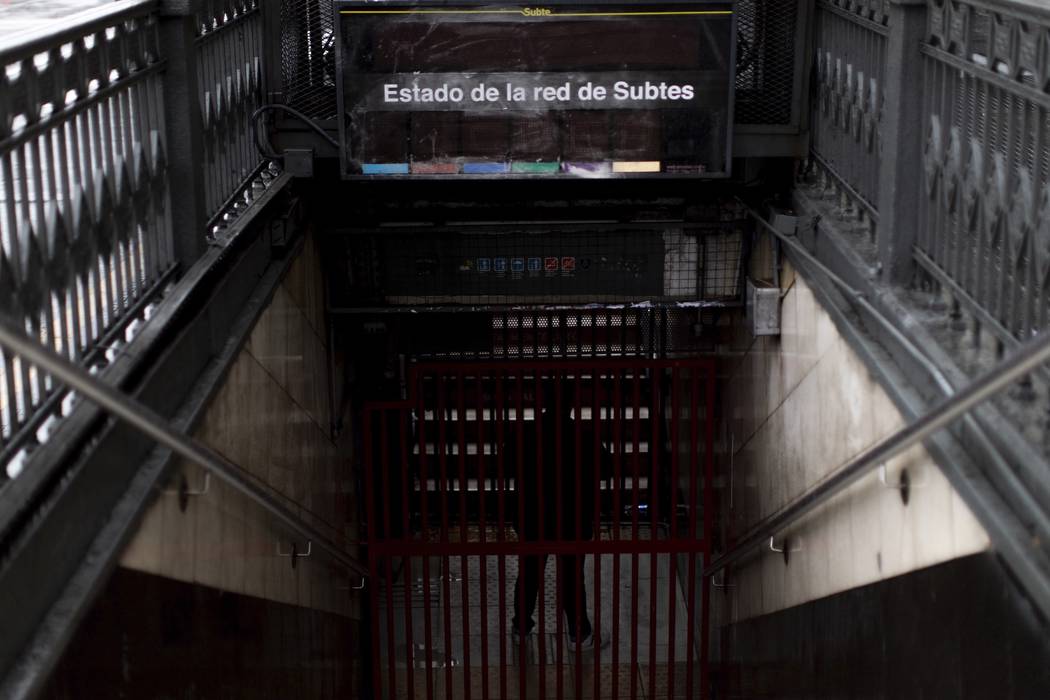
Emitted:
<point x="527" y="168"/>
<point x="485" y="168"/>
<point x="636" y="166"/>
<point x="428" y="168"/>
<point x="384" y="168"/>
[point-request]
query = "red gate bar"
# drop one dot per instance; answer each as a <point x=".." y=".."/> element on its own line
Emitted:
<point x="636" y="433"/>
<point x="559" y="574"/>
<point x="537" y="410"/>
<point x="709" y="522"/>
<point x="519" y="425"/>
<point x="617" y="473"/>
<point x="461" y="434"/>
<point x="693" y="444"/>
<point x="479" y="408"/>
<point x="479" y="549"/>
<point x="406" y="525"/>
<point x="654" y="504"/>
<point x="671" y="560"/>
<point x="500" y="495"/>
<point x="424" y="518"/>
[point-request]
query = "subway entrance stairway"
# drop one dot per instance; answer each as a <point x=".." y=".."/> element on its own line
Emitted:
<point x="308" y="394"/>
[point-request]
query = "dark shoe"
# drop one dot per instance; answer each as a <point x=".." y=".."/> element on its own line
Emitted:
<point x="517" y="636"/>
<point x="589" y="643"/>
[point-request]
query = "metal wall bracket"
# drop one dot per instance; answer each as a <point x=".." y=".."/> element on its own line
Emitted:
<point x="904" y="485"/>
<point x="184" y="492"/>
<point x="716" y="584"/>
<point x="295" y="553"/>
<point x="359" y="587"/>
<point x="787" y="549"/>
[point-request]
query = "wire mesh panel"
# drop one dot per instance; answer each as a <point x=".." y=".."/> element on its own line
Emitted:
<point x="571" y="333"/>
<point x="987" y="162"/>
<point x="766" y="61"/>
<point x="534" y="530"/>
<point x="694" y="262"/>
<point x="85" y="237"/>
<point x="850" y="65"/>
<point x="381" y="340"/>
<point x="308" y="57"/>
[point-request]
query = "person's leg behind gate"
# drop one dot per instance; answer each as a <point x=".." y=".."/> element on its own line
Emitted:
<point x="526" y="591"/>
<point x="573" y="590"/>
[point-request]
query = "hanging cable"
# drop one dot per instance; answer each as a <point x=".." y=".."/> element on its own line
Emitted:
<point x="266" y="149"/>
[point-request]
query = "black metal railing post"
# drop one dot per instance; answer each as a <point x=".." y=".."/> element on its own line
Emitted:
<point x="185" y="127"/>
<point x="902" y="139"/>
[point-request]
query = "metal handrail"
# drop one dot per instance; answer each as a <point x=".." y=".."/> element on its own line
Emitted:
<point x="28" y="42"/>
<point x="940" y="379"/>
<point x="1029" y="357"/>
<point x="146" y="421"/>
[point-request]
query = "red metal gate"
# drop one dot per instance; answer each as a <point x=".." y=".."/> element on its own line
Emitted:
<point x="460" y="499"/>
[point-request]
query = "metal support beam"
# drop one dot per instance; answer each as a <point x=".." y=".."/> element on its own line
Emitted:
<point x="902" y="136"/>
<point x="185" y="128"/>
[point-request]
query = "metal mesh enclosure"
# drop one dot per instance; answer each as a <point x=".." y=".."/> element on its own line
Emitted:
<point x="766" y="59"/>
<point x="530" y="333"/>
<point x="308" y="57"/>
<point x="766" y="47"/>
<point x="420" y="267"/>
<point x="533" y="333"/>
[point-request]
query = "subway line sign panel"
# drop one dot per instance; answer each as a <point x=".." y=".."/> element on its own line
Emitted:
<point x="555" y="91"/>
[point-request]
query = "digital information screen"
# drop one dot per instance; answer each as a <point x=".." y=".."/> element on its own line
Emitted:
<point x="555" y="91"/>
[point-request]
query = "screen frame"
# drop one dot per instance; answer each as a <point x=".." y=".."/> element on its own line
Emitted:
<point x="344" y="163"/>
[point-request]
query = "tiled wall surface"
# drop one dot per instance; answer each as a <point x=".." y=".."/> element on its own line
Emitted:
<point x="272" y="417"/>
<point x="796" y="408"/>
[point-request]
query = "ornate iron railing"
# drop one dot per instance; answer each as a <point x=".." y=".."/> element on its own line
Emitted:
<point x="847" y="114"/>
<point x="85" y="236"/>
<point x="985" y="226"/>
<point x="88" y="233"/>
<point x="229" y="48"/>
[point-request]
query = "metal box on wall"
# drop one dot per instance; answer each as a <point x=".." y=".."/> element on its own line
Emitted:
<point x="763" y="308"/>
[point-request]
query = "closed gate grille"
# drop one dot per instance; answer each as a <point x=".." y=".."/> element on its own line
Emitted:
<point x="589" y="477"/>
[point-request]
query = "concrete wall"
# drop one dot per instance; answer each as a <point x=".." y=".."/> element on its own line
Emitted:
<point x="272" y="416"/>
<point x="793" y="409"/>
